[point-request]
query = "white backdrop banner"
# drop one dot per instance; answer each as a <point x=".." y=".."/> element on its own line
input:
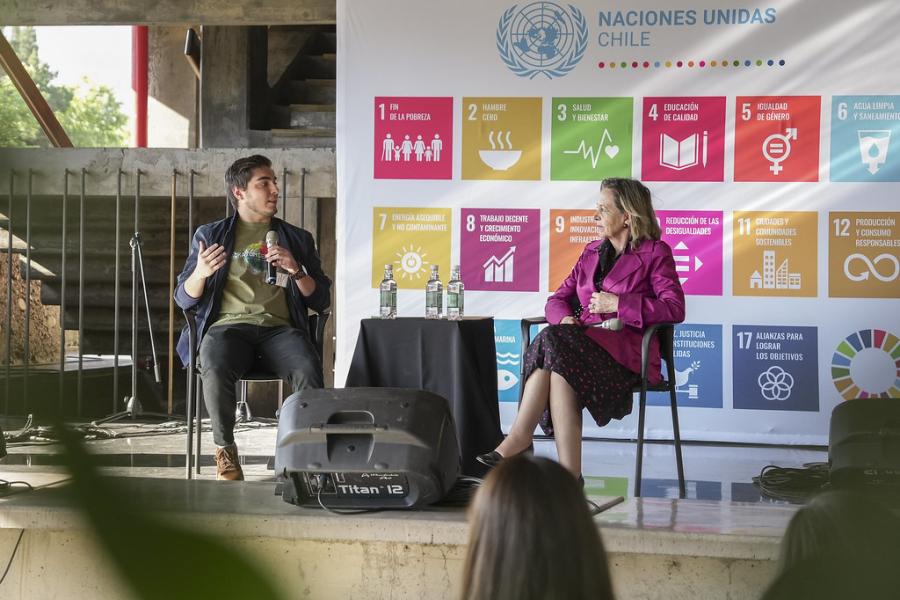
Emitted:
<point x="476" y="133"/>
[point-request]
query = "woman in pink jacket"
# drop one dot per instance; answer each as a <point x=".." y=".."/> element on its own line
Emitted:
<point x="628" y="273"/>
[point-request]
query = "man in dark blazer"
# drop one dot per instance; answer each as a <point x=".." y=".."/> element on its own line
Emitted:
<point x="243" y="322"/>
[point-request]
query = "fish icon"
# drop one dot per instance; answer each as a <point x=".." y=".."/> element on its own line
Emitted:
<point x="506" y="380"/>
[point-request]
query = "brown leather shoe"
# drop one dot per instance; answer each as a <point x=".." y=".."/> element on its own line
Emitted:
<point x="227" y="465"/>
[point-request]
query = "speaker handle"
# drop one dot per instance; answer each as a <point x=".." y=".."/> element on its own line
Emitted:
<point x="330" y="428"/>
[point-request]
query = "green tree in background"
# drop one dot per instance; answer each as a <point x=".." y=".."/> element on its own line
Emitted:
<point x="90" y="115"/>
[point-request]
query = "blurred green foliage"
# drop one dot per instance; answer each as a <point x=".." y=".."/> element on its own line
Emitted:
<point x="153" y="555"/>
<point x="91" y="115"/>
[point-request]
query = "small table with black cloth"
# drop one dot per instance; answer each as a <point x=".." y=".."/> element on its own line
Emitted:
<point x="454" y="359"/>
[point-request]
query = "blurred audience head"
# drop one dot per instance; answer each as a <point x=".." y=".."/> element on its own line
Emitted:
<point x="844" y="525"/>
<point x="840" y="545"/>
<point x="532" y="537"/>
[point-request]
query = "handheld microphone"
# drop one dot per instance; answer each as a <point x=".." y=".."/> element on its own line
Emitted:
<point x="611" y="324"/>
<point x="271" y="240"/>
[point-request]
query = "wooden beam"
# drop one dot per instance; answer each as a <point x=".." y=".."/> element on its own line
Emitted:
<point x="32" y="95"/>
<point x="168" y="12"/>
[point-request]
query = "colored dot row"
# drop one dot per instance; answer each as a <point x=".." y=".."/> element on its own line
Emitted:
<point x="668" y="64"/>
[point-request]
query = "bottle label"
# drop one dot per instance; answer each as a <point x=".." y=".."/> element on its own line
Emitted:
<point x="453" y="300"/>
<point x="433" y="299"/>
<point x="389" y="298"/>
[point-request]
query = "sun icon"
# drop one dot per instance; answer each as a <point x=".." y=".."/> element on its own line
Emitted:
<point x="411" y="262"/>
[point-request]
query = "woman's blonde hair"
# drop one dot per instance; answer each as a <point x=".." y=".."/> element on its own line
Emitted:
<point x="531" y="537"/>
<point x="633" y="197"/>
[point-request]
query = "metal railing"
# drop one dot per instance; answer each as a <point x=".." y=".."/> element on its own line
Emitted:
<point x="20" y="191"/>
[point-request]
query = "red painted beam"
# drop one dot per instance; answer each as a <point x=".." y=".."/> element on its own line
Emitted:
<point x="139" y="82"/>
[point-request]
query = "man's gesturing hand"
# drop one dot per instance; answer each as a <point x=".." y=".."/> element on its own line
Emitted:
<point x="209" y="260"/>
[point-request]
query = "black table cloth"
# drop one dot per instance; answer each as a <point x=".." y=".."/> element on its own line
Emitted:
<point x="454" y="359"/>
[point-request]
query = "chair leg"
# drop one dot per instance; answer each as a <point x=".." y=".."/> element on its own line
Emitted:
<point x="525" y="330"/>
<point x="677" y="434"/>
<point x="639" y="461"/>
<point x="242" y="409"/>
<point x="198" y="414"/>
<point x="189" y="417"/>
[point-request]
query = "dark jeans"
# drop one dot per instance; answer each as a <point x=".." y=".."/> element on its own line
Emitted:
<point x="229" y="351"/>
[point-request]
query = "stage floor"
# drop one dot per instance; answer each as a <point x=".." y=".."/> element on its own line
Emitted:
<point x="713" y="472"/>
<point x="723" y="539"/>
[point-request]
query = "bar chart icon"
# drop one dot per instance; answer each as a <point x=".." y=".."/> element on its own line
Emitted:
<point x="500" y="269"/>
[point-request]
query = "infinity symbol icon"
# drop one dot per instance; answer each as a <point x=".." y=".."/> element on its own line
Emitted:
<point x="871" y="268"/>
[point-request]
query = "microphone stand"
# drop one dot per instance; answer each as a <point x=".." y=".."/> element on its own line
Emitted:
<point x="133" y="407"/>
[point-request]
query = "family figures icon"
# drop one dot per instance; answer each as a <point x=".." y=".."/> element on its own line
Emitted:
<point x="403" y="150"/>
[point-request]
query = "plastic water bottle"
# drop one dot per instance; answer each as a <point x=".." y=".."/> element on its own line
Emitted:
<point x="433" y="295"/>
<point x="388" y="294"/>
<point x="455" y="290"/>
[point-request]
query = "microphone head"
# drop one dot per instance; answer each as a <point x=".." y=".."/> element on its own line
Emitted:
<point x="271" y="238"/>
<point x="614" y="324"/>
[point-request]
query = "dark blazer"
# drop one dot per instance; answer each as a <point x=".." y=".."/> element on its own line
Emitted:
<point x="644" y="279"/>
<point x="301" y="244"/>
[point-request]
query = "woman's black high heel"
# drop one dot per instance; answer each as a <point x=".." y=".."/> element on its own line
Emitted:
<point x="490" y="459"/>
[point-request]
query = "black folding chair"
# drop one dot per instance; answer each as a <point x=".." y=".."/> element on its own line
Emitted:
<point x="665" y="332"/>
<point x="192" y="406"/>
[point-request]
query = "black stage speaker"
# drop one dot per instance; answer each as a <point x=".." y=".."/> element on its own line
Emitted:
<point x="864" y="443"/>
<point x="366" y="448"/>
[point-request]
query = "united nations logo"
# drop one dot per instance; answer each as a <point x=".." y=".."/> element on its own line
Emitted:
<point x="541" y="38"/>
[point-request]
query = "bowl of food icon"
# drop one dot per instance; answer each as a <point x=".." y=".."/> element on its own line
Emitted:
<point x="500" y="160"/>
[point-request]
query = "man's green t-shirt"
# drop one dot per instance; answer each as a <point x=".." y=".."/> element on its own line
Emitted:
<point x="247" y="298"/>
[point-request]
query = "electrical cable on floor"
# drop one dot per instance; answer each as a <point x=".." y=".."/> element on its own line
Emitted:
<point x="793" y="484"/>
<point x="15" y="436"/>
<point x="6" y="485"/>
<point x="342" y="512"/>
<point x="11" y="557"/>
<point x="321" y="482"/>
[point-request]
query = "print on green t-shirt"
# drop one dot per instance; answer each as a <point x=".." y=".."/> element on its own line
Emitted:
<point x="247" y="298"/>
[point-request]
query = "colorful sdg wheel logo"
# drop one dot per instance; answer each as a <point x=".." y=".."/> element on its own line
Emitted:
<point x="541" y="38"/>
<point x="866" y="364"/>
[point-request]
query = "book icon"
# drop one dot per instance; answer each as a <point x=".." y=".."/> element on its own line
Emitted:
<point x="683" y="154"/>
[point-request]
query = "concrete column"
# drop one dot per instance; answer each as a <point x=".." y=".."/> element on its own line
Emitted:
<point x="224" y="87"/>
<point x="173" y="89"/>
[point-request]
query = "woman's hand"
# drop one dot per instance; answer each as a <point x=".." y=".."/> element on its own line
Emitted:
<point x="568" y="321"/>
<point x="603" y="302"/>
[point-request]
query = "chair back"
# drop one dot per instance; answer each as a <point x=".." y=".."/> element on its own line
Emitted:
<point x="665" y="334"/>
<point x="317" y="323"/>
